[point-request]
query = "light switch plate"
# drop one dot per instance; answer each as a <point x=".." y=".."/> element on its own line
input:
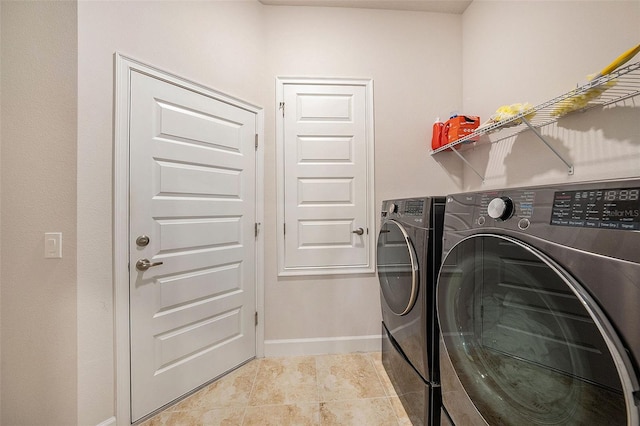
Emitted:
<point x="53" y="245"/>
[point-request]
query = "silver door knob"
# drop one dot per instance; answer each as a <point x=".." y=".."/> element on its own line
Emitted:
<point x="358" y="231"/>
<point x="144" y="264"/>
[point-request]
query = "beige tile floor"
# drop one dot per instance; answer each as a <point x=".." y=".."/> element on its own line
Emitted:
<point x="346" y="389"/>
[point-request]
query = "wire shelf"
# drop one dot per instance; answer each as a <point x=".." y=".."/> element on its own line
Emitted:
<point x="621" y="84"/>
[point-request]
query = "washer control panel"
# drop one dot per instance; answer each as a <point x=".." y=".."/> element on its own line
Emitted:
<point x="414" y="207"/>
<point x="412" y="211"/>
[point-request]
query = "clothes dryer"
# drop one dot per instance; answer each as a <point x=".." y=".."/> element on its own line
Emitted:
<point x="538" y="299"/>
<point x="408" y="258"/>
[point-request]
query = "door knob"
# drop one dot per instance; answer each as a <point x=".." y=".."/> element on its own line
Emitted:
<point x="144" y="264"/>
<point x="358" y="231"/>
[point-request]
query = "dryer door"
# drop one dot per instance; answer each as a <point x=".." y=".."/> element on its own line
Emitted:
<point x="397" y="267"/>
<point x="525" y="343"/>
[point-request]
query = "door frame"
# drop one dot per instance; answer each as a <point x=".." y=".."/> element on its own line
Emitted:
<point x="367" y="83"/>
<point x="123" y="68"/>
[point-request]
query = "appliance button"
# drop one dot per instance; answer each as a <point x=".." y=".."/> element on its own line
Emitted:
<point x="481" y="220"/>
<point x="523" y="223"/>
<point x="500" y="208"/>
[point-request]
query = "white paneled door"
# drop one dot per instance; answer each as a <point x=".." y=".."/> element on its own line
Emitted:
<point x="192" y="243"/>
<point x="327" y="178"/>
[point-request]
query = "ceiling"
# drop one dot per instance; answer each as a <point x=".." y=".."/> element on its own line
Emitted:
<point x="440" y="6"/>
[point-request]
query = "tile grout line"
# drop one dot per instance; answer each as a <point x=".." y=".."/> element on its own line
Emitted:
<point x="375" y="368"/>
<point x="319" y="394"/>
<point x="253" y="385"/>
<point x="384" y="387"/>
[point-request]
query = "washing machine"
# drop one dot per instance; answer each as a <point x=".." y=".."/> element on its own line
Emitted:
<point x="538" y="300"/>
<point x="409" y="252"/>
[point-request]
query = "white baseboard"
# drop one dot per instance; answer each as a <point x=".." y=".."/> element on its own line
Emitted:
<point x="322" y="345"/>
<point x="111" y="421"/>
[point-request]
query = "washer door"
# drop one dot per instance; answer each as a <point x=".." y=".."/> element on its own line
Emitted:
<point x="397" y="267"/>
<point x="527" y="342"/>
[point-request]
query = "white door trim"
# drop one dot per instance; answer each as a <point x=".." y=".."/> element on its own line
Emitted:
<point x="280" y="170"/>
<point x="124" y="67"/>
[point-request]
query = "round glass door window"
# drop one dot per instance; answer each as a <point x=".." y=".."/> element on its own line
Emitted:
<point x="528" y="344"/>
<point x="397" y="268"/>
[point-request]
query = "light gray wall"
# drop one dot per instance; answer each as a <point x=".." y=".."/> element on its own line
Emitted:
<point x="38" y="177"/>
<point x="532" y="51"/>
<point x="240" y="48"/>
<point x="403" y="52"/>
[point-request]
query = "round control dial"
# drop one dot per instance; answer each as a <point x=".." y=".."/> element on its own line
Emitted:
<point x="393" y="208"/>
<point x="500" y="208"/>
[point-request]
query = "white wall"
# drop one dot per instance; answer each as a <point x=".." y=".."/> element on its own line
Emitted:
<point x="532" y="51"/>
<point x="403" y="53"/>
<point x="219" y="44"/>
<point x="38" y="176"/>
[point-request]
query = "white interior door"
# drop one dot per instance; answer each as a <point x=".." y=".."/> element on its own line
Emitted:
<point x="326" y="177"/>
<point x="192" y="193"/>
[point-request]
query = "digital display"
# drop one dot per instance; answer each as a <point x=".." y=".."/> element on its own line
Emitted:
<point x="414" y="208"/>
<point x="622" y="194"/>
<point x="600" y="208"/>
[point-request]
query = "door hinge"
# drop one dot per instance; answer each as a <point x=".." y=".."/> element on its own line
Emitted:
<point x="256" y="141"/>
<point x="256" y="228"/>
<point x="256" y="318"/>
<point x="282" y="108"/>
<point x="284" y="229"/>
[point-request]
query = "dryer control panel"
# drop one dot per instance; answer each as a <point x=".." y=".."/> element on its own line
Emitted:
<point x="503" y="205"/>
<point x="617" y="208"/>
<point x="603" y="207"/>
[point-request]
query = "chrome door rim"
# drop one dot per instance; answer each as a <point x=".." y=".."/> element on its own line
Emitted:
<point x="414" y="269"/>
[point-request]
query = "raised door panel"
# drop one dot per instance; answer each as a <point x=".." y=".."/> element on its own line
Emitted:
<point x="326" y="150"/>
